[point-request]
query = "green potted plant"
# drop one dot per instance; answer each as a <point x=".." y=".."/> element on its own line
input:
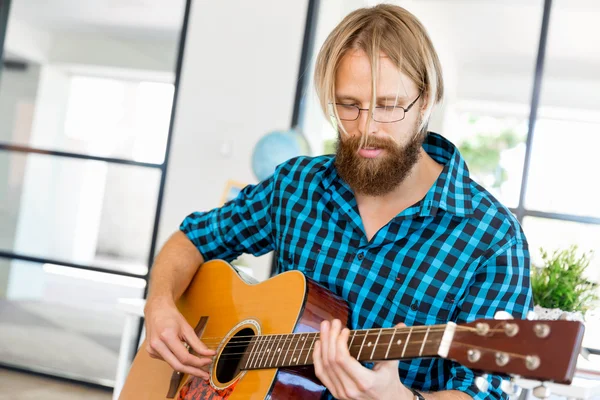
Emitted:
<point x="560" y="286"/>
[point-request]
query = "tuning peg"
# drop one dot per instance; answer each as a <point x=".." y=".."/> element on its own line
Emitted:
<point x="503" y="315"/>
<point x="482" y="383"/>
<point x="542" y="392"/>
<point x="510" y="388"/>
<point x="585" y="353"/>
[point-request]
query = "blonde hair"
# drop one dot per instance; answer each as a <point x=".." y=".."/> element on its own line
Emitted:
<point x="387" y="29"/>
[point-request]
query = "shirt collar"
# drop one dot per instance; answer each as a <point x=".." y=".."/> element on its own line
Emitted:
<point x="451" y="191"/>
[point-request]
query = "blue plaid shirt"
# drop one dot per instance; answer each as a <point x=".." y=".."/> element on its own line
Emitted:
<point x="456" y="255"/>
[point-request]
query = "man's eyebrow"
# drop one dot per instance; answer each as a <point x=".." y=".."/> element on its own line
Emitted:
<point x="379" y="98"/>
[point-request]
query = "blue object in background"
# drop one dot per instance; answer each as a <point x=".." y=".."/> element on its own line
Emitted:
<point x="275" y="148"/>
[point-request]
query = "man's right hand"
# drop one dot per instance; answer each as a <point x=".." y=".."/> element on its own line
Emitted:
<point x="166" y="332"/>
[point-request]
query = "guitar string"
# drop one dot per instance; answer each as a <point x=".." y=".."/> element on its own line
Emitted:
<point x="309" y="336"/>
<point x="359" y="332"/>
<point x="300" y="351"/>
<point x="411" y="343"/>
<point x="294" y="336"/>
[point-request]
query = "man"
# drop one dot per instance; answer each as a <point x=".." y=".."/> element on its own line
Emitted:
<point x="392" y="223"/>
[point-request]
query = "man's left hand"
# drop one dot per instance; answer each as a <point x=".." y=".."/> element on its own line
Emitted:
<point x="345" y="377"/>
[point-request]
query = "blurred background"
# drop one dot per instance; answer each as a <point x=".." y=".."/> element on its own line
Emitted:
<point x="120" y="117"/>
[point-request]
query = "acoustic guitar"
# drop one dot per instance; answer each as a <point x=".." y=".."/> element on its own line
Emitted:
<point x="264" y="334"/>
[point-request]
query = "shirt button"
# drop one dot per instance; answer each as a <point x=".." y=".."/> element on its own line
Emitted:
<point x="414" y="306"/>
<point x="360" y="256"/>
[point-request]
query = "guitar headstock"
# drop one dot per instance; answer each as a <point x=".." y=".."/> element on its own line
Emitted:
<point x="541" y="350"/>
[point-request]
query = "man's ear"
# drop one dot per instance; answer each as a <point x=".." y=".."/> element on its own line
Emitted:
<point x="424" y="104"/>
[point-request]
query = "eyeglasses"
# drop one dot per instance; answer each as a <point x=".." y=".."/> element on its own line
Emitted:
<point x="384" y="114"/>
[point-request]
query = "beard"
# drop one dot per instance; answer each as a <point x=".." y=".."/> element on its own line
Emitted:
<point x="380" y="175"/>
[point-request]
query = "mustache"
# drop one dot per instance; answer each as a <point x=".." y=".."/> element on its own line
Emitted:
<point x="377" y="142"/>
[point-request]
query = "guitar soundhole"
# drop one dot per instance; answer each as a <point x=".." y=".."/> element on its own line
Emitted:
<point x="228" y="365"/>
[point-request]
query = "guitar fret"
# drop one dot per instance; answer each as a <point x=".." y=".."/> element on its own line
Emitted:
<point x="263" y="349"/>
<point x="352" y="340"/>
<point x="280" y="346"/>
<point x="303" y="339"/>
<point x="272" y="351"/>
<point x="297" y="340"/>
<point x="289" y="344"/>
<point x="250" y="353"/>
<point x="315" y="335"/>
<point x="424" y="341"/>
<point x="361" y="346"/>
<point x="375" y="346"/>
<point x="261" y="352"/>
<point x="256" y="351"/>
<point x="390" y="345"/>
<point x="407" y="340"/>
<point x="279" y="350"/>
<point x="254" y="342"/>
<point x="265" y="352"/>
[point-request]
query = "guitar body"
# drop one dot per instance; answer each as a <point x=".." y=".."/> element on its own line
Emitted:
<point x="286" y="303"/>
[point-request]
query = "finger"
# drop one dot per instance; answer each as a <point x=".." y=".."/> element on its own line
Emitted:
<point x="170" y="358"/>
<point x="354" y="377"/>
<point x="192" y="339"/>
<point x="337" y="375"/>
<point x="151" y="351"/>
<point x="334" y="332"/>
<point x="401" y="325"/>
<point x="183" y="355"/>
<point x="320" y="371"/>
<point x="153" y="354"/>
<point x="324" y="343"/>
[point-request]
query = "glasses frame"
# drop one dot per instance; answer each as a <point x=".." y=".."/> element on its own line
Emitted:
<point x="406" y="109"/>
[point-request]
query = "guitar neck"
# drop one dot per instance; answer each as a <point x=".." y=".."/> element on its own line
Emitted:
<point x="274" y="351"/>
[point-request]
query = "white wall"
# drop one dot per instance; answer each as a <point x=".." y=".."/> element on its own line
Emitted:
<point x="237" y="52"/>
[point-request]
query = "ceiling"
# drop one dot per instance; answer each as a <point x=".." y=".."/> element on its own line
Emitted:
<point x="135" y="19"/>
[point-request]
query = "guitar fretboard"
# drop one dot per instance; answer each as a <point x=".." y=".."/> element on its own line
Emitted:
<point x="274" y="351"/>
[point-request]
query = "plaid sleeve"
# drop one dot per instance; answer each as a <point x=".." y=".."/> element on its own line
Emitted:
<point x="243" y="225"/>
<point x="501" y="284"/>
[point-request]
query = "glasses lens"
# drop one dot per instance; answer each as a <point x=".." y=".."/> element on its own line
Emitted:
<point x="347" y="112"/>
<point x="388" y="114"/>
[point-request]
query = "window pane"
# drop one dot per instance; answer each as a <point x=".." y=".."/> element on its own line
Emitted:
<point x="100" y="116"/>
<point x="555" y="235"/>
<point x="87" y="212"/>
<point x="488" y="78"/>
<point x="63" y="320"/>
<point x="76" y="78"/>
<point x="563" y="176"/>
<point x="494" y="149"/>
